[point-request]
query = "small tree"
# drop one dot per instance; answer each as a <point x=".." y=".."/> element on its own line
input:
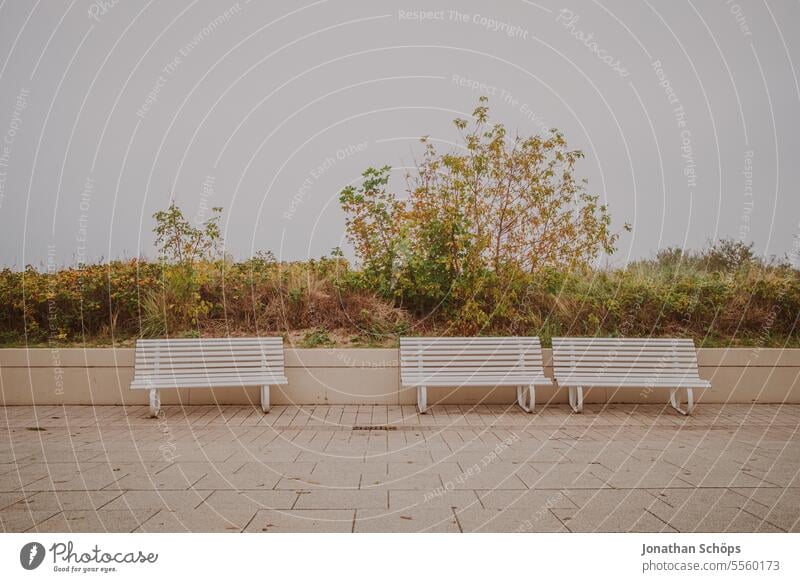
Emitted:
<point x="496" y="210"/>
<point x="727" y="255"/>
<point x="184" y="251"/>
<point x="180" y="242"/>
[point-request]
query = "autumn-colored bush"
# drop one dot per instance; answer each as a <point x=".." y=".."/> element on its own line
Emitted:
<point x="127" y="299"/>
<point x="325" y="302"/>
<point x="475" y="223"/>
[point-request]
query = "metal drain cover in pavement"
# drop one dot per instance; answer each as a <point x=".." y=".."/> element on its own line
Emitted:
<point x="375" y="427"/>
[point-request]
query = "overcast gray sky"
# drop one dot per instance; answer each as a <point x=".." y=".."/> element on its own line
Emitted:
<point x="688" y="112"/>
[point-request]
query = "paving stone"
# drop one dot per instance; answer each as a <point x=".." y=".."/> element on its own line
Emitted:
<point x="700" y="473"/>
<point x="407" y="520"/>
<point x="615" y="468"/>
<point x="428" y="482"/>
<point x="20" y="520"/>
<point x="177" y="477"/>
<point x="67" y="500"/>
<point x="252" y="476"/>
<point x="10" y="500"/>
<point x="527" y="499"/>
<point x="337" y="499"/>
<point x="710" y="497"/>
<point x="201" y="519"/>
<point x="157" y="500"/>
<point x="516" y="520"/>
<point x="95" y="521"/>
<point x="779" y="506"/>
<point x="643" y="475"/>
<point x="690" y="510"/>
<point x="252" y="499"/>
<point x="302" y="520"/>
<point x="608" y="510"/>
<point x="565" y="476"/>
<point x="440" y="498"/>
<point x="326" y="481"/>
<point x="446" y="470"/>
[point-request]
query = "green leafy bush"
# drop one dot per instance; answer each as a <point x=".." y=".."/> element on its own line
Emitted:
<point x="476" y="223"/>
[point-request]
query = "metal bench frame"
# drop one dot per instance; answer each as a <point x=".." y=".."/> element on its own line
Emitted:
<point x="208" y="363"/>
<point x="472" y="361"/>
<point x="648" y="363"/>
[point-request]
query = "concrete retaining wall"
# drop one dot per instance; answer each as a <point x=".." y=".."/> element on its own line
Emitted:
<point x="360" y="376"/>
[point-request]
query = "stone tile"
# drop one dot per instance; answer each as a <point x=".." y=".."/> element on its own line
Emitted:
<point x="608" y="510"/>
<point x="403" y="499"/>
<point x="177" y="477"/>
<point x="643" y="475"/>
<point x="694" y="518"/>
<point x="356" y="466"/>
<point x="95" y="521"/>
<point x="779" y="506"/>
<point x="254" y="499"/>
<point x="66" y="476"/>
<point x="711" y="510"/>
<point x="609" y="456"/>
<point x="325" y="481"/>
<point x="719" y="474"/>
<point x="157" y="500"/>
<point x="338" y="499"/>
<point x="780" y="474"/>
<point x="407" y="469"/>
<point x="496" y="475"/>
<point x="566" y="476"/>
<point x="9" y="500"/>
<point x="408" y="520"/>
<point x="67" y="500"/>
<point x="413" y="482"/>
<point x="20" y="520"/>
<point x="709" y="497"/>
<point x="415" y="455"/>
<point x="516" y="520"/>
<point x="302" y="520"/>
<point x="202" y="519"/>
<point x="250" y="476"/>
<point x="527" y="499"/>
<point x="328" y="457"/>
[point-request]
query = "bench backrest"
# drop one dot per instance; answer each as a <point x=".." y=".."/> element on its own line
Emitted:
<point x="429" y="356"/>
<point x="635" y="359"/>
<point x="208" y="361"/>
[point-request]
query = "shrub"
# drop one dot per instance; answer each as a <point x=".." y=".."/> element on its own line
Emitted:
<point x="475" y="223"/>
<point x="755" y="304"/>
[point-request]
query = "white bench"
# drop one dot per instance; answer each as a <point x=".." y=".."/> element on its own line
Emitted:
<point x="648" y="363"/>
<point x="208" y="363"/>
<point x="472" y="361"/>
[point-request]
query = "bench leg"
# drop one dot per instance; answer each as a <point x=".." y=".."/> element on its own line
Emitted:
<point x="155" y="402"/>
<point x="576" y="398"/>
<point x="265" y="398"/>
<point x="675" y="402"/>
<point x="522" y="399"/>
<point x="422" y="399"/>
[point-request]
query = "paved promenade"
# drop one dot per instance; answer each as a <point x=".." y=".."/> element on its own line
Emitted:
<point x="733" y="468"/>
